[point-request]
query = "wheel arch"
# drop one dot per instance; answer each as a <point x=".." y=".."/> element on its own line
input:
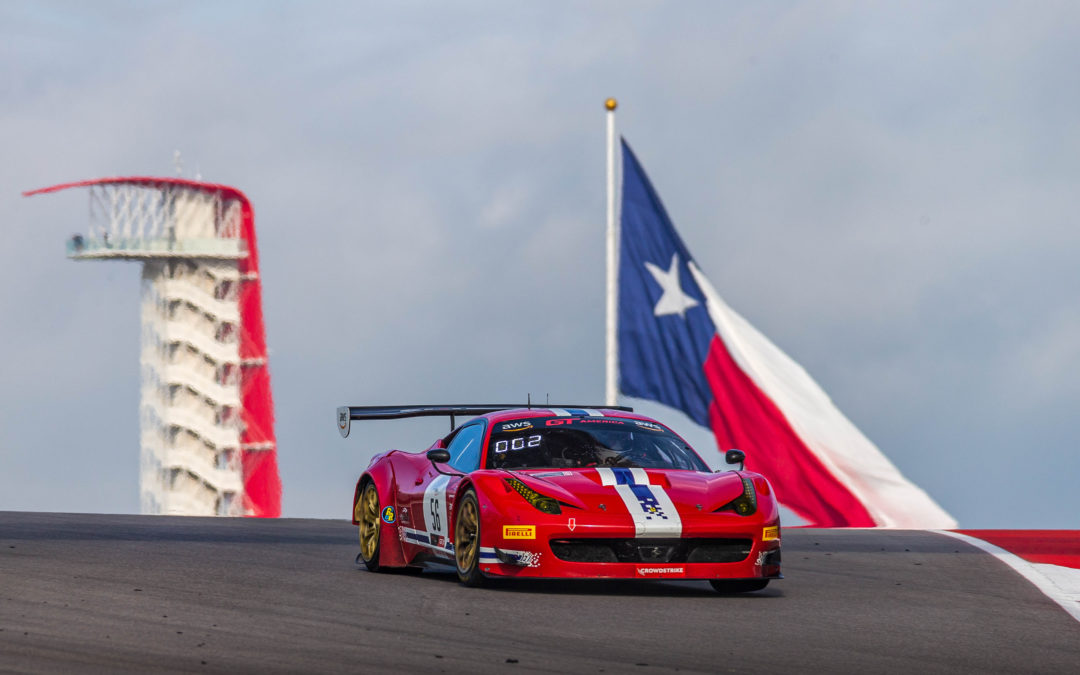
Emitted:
<point x="465" y="484"/>
<point x="382" y="475"/>
<point x="483" y="484"/>
<point x="487" y="488"/>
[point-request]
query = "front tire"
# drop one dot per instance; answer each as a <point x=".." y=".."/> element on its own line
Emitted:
<point x="734" y="586"/>
<point x="367" y="513"/>
<point x="467" y="541"/>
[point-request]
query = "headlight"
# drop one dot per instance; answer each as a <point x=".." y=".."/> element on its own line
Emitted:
<point x="746" y="503"/>
<point x="545" y="504"/>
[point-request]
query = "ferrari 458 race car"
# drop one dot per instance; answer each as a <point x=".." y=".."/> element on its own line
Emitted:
<point x="563" y="492"/>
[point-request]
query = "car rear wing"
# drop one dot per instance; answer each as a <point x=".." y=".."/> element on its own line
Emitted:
<point x="347" y="413"/>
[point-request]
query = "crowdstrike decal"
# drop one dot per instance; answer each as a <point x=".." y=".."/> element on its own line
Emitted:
<point x="660" y="571"/>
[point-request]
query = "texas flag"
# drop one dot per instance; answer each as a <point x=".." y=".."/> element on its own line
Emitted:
<point x="681" y="345"/>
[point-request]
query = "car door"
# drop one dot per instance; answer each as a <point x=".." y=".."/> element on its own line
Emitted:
<point x="430" y="501"/>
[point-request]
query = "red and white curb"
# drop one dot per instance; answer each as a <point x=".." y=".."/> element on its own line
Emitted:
<point x="1060" y="584"/>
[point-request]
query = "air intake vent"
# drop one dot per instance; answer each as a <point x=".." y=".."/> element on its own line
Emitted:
<point x="651" y="550"/>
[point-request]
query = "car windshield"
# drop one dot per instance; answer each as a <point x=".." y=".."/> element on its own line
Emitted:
<point x="580" y="442"/>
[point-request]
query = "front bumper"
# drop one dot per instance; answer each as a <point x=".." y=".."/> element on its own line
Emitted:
<point x="635" y="558"/>
<point x="517" y="540"/>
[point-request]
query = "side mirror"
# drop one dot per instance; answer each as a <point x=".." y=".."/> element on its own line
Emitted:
<point x="439" y="455"/>
<point x="735" y="457"/>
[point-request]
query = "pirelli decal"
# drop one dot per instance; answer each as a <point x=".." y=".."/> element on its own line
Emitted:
<point x="649" y="505"/>
<point x="519" y="532"/>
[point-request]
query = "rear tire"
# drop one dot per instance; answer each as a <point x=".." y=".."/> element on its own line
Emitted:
<point x="735" y="586"/>
<point x="367" y="513"/>
<point x="467" y="541"/>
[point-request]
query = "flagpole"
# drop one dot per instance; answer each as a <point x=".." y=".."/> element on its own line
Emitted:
<point x="612" y="360"/>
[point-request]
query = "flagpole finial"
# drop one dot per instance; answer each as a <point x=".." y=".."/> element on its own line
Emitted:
<point x="611" y="104"/>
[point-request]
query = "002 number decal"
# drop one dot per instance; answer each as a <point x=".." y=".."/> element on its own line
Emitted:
<point x="519" y="443"/>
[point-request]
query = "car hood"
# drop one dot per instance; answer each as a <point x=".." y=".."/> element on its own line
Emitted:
<point x="584" y="488"/>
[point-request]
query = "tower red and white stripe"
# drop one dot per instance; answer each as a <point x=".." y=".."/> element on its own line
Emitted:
<point x="207" y="414"/>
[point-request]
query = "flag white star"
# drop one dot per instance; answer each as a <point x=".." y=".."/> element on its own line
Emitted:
<point x="673" y="301"/>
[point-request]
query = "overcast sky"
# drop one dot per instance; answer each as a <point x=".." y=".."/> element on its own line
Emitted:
<point x="887" y="190"/>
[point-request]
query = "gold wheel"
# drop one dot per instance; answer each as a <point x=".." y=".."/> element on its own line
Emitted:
<point x="367" y="512"/>
<point x="467" y="541"/>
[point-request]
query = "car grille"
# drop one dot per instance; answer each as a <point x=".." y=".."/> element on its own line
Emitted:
<point x="652" y="550"/>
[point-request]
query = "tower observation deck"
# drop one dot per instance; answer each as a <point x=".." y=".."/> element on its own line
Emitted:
<point x="206" y="409"/>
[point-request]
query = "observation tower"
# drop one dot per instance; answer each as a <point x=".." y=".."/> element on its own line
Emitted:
<point x="206" y="410"/>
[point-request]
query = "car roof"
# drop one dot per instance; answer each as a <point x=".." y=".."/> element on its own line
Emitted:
<point x="522" y="413"/>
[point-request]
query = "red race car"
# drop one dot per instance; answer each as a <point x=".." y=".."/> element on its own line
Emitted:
<point x="564" y="492"/>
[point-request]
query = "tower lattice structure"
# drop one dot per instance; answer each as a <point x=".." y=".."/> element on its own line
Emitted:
<point x="206" y="409"/>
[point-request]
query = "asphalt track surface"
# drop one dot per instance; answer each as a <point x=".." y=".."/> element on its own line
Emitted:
<point x="94" y="593"/>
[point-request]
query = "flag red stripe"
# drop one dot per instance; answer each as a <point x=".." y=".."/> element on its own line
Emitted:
<point x="743" y="417"/>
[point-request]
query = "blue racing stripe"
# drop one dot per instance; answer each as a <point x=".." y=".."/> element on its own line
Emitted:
<point x="650" y="505"/>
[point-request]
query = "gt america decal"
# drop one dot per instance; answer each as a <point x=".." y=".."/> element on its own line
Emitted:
<point x="649" y="505"/>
